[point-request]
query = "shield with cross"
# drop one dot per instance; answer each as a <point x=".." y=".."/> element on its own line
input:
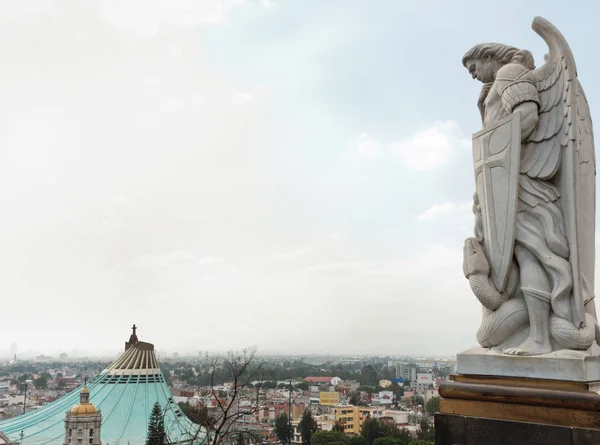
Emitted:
<point x="496" y="159"/>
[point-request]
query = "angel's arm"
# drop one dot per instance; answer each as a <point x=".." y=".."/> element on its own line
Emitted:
<point x="519" y="93"/>
<point x="529" y="118"/>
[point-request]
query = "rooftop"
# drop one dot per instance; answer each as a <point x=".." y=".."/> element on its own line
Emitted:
<point x="318" y="379"/>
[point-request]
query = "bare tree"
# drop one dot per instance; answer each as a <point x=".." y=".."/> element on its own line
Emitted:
<point x="220" y="419"/>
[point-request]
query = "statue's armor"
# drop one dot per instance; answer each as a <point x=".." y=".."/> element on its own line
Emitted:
<point x="512" y="87"/>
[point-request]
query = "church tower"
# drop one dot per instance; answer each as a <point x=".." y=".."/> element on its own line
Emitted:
<point x="83" y="422"/>
<point x="133" y="340"/>
<point x="127" y="388"/>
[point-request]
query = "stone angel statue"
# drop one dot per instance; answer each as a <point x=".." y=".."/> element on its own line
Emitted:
<point x="531" y="262"/>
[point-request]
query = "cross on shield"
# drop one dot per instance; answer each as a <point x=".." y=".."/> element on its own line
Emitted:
<point x="496" y="160"/>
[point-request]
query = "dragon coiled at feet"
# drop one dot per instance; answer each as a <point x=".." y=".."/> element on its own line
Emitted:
<point x="505" y="313"/>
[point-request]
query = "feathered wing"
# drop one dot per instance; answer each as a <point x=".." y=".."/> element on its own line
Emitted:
<point x="586" y="198"/>
<point x="561" y="149"/>
<point x="543" y="149"/>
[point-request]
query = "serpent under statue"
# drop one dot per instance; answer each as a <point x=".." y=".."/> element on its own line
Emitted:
<point x="531" y="262"/>
<point x="504" y="316"/>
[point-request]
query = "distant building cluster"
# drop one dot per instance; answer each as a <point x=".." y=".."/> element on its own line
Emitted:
<point x="333" y="400"/>
<point x="396" y="392"/>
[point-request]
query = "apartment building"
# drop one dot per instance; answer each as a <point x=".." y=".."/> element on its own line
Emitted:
<point x="352" y="417"/>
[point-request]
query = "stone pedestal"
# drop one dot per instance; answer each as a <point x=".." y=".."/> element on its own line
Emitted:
<point x="465" y="430"/>
<point x="578" y="366"/>
<point x="493" y="410"/>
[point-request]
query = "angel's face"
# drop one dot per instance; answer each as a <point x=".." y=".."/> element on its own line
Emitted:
<point x="484" y="70"/>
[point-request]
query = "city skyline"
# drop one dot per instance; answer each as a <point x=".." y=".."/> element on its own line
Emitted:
<point x="107" y="353"/>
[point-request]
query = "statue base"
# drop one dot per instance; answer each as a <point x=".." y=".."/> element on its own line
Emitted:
<point x="465" y="430"/>
<point x="501" y="410"/>
<point x="579" y="366"/>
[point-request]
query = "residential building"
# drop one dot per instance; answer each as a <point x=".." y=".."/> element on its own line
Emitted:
<point x="349" y="385"/>
<point x="424" y="381"/>
<point x="348" y="417"/>
<point x="332" y="381"/>
<point x="271" y="411"/>
<point x="11" y="399"/>
<point x="384" y="398"/>
<point x="407" y="372"/>
<point x="296" y="435"/>
<point x="352" y="417"/>
<point x="325" y="421"/>
<point x="398" y="417"/>
<point x="429" y="393"/>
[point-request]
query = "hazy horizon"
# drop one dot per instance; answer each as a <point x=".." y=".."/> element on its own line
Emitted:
<point x="111" y="354"/>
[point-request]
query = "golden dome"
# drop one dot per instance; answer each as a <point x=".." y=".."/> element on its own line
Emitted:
<point x="83" y="409"/>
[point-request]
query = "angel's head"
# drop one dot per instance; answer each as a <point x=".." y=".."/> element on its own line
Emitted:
<point x="484" y="60"/>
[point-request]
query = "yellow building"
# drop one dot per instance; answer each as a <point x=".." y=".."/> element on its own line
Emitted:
<point x="352" y="417"/>
<point x="348" y="418"/>
<point x="329" y="398"/>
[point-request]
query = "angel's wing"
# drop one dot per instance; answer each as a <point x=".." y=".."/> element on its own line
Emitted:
<point x="584" y="164"/>
<point x="543" y="148"/>
<point x="561" y="148"/>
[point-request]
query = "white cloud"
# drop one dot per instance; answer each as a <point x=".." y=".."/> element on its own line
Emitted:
<point x="15" y="9"/>
<point x="179" y="273"/>
<point x="334" y="236"/>
<point x="120" y="199"/>
<point x="288" y="257"/>
<point x="267" y="3"/>
<point x="197" y="102"/>
<point x="349" y="265"/>
<point x="463" y="209"/>
<point x="365" y="145"/>
<point x="241" y="98"/>
<point x="438" y="259"/>
<point x="145" y="17"/>
<point x="430" y="147"/>
<point x="436" y="211"/>
<point x="171" y="104"/>
<point x="177" y="258"/>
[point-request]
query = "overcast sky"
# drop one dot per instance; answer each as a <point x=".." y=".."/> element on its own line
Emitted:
<point x="294" y="175"/>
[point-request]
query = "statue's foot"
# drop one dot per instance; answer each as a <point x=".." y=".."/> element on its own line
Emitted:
<point x="530" y="347"/>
